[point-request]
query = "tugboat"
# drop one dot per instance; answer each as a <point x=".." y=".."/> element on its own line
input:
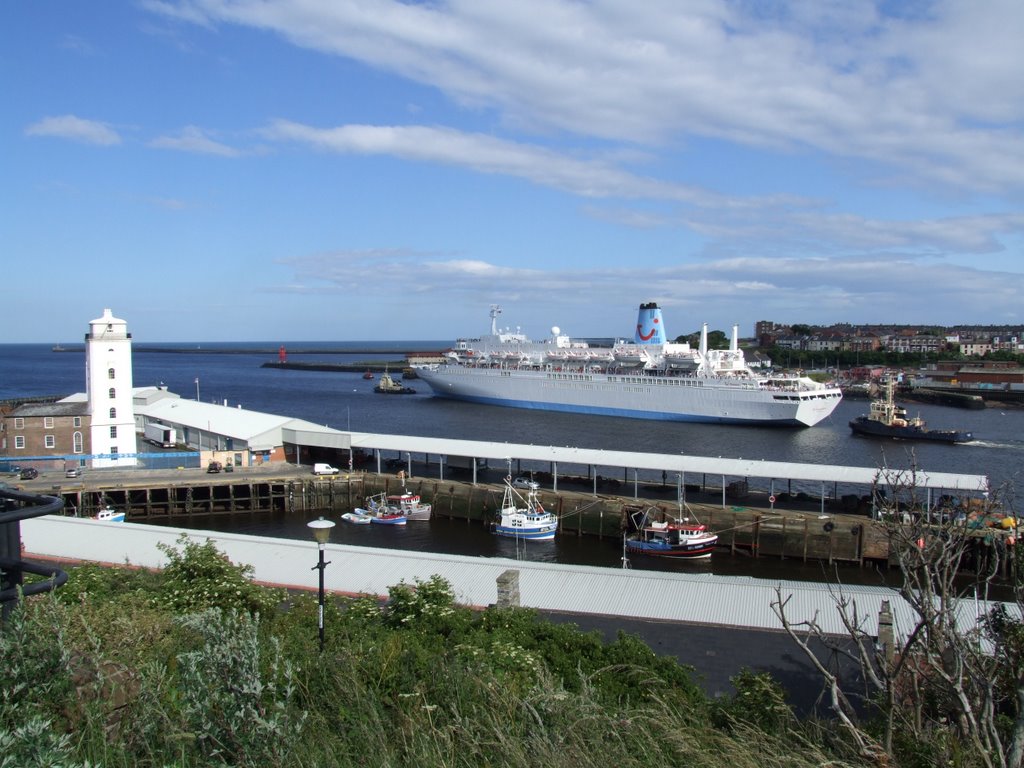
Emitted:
<point x="887" y="419"/>
<point x="388" y="386"/>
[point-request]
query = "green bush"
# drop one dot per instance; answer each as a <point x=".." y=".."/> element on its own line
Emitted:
<point x="199" y="576"/>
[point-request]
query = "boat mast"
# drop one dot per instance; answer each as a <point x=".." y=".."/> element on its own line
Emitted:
<point x="495" y="311"/>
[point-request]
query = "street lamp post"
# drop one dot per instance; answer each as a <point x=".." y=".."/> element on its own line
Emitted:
<point x="321" y="532"/>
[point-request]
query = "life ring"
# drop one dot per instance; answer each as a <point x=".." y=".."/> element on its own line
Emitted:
<point x="828" y="527"/>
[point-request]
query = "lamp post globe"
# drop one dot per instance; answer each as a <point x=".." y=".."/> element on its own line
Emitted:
<point x="321" y="532"/>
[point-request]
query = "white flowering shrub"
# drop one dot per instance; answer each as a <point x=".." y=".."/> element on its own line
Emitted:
<point x="199" y="576"/>
<point x="431" y="601"/>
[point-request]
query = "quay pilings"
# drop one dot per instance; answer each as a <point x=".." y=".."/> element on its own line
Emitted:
<point x="843" y="534"/>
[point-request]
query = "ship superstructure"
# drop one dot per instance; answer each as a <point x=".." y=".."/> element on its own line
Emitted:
<point x="649" y="378"/>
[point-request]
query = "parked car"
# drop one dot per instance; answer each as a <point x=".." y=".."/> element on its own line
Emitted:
<point x="29" y="473"/>
<point x="525" y="482"/>
<point x="73" y="472"/>
<point x="214" y="466"/>
<point x="324" y="469"/>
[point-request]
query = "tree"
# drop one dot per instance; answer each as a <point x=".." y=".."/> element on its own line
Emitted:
<point x="946" y="683"/>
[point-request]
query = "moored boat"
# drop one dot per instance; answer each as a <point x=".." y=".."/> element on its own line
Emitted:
<point x="649" y="378"/>
<point x="379" y="512"/>
<point x="409" y="504"/>
<point x="886" y="418"/>
<point x="677" y="539"/>
<point x="357" y="518"/>
<point x="524" y="517"/>
<point x="110" y="515"/>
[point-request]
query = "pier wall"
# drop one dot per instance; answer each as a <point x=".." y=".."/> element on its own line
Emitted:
<point x="802" y="529"/>
<point x="747" y="530"/>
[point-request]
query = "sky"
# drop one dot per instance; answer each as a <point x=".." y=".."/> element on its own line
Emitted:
<point x="234" y="170"/>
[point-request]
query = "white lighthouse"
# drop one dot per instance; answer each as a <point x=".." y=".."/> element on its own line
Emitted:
<point x="108" y="381"/>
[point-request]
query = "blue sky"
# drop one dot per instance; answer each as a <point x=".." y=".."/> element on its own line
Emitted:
<point x="348" y="170"/>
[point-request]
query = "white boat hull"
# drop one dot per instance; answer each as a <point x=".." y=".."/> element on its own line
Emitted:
<point x="633" y="395"/>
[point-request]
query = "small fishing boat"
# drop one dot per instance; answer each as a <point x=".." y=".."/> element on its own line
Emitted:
<point x="368" y="375"/>
<point x="524" y="517"/>
<point x="358" y="518"/>
<point x="678" y="539"/>
<point x="109" y="515"/>
<point x="379" y="512"/>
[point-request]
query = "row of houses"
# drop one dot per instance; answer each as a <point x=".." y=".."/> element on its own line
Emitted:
<point x="906" y="340"/>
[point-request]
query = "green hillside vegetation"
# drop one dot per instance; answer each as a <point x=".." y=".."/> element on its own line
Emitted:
<point x="197" y="666"/>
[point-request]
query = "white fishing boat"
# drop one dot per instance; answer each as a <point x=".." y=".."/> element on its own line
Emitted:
<point x="524" y="517"/>
<point x="109" y="515"/>
<point x="357" y="518"/>
<point x="408" y="504"/>
<point x="649" y="378"/>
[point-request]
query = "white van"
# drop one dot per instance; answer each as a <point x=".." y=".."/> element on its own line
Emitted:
<point x="324" y="469"/>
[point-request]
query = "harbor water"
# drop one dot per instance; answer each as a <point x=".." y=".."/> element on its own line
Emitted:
<point x="232" y="374"/>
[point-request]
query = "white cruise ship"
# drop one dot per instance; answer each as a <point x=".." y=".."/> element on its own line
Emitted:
<point x="649" y="378"/>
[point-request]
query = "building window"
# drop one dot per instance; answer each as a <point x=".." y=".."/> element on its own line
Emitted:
<point x="49" y="441"/>
<point x="110" y="373"/>
<point x="19" y="441"/>
<point x="112" y="393"/>
<point x="77" y="441"/>
<point x="113" y="431"/>
<point x="19" y="423"/>
<point x="113" y="413"/>
<point x="47" y="422"/>
<point x="113" y="450"/>
<point x="78" y="421"/>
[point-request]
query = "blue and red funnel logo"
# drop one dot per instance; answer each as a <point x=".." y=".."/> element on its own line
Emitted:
<point x="649" y="327"/>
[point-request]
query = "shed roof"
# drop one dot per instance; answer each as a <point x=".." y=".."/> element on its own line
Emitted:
<point x="258" y="429"/>
<point x="674" y="463"/>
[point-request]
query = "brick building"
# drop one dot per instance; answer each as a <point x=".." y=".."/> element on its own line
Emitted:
<point x="53" y="430"/>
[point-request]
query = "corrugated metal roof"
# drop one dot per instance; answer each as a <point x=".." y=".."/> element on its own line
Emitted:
<point x="239" y="423"/>
<point x="681" y="463"/>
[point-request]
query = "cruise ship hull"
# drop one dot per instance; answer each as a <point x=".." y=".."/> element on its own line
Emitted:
<point x="633" y="395"/>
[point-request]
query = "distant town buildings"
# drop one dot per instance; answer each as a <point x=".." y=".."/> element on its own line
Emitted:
<point x="970" y="341"/>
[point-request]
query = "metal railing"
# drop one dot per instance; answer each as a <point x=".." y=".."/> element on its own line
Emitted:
<point x="16" y="506"/>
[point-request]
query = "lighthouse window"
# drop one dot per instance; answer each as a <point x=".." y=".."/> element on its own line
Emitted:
<point x="110" y="373"/>
<point x="113" y="431"/>
<point x="112" y="393"/>
<point x="113" y="413"/>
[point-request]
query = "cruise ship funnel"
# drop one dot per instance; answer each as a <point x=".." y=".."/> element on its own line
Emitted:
<point x="649" y="327"/>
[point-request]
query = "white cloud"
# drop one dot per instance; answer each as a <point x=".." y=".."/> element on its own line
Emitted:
<point x="937" y="93"/>
<point x="484" y="154"/>
<point x="788" y="289"/>
<point x="194" y="140"/>
<point x="75" y="129"/>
